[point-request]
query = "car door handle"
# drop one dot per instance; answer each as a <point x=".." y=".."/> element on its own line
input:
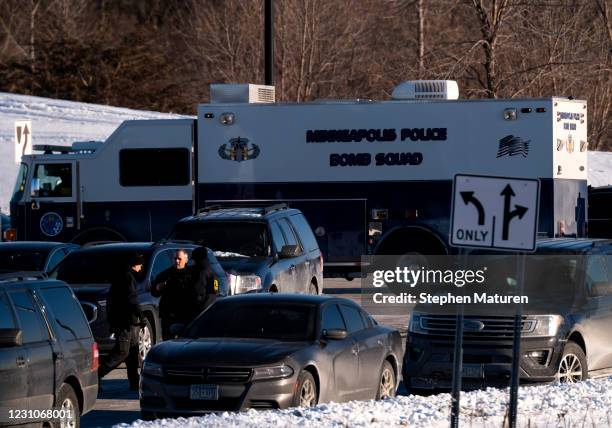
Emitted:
<point x="355" y="350"/>
<point x="21" y="361"/>
<point x="58" y="356"/>
<point x="292" y="267"/>
<point x="379" y="342"/>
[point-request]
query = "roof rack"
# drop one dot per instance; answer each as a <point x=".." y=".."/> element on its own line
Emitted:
<point x="209" y="208"/>
<point x="275" y="207"/>
<point x="22" y="276"/>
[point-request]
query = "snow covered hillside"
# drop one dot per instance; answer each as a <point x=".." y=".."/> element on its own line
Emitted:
<point x="63" y="122"/>
<point x="584" y="404"/>
<point x="55" y="122"/>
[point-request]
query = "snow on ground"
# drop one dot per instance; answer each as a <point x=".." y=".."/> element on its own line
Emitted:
<point x="55" y="122"/>
<point x="585" y="404"/>
<point x="63" y="122"/>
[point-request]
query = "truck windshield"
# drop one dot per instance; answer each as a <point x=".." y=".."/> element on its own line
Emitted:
<point x="232" y="238"/>
<point x="256" y="321"/>
<point x="98" y="267"/>
<point x="20" y="184"/>
<point x="12" y="260"/>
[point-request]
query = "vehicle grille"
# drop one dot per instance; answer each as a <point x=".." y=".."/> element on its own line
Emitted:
<point x="208" y="374"/>
<point x="491" y="327"/>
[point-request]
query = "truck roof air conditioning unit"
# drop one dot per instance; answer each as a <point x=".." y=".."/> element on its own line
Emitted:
<point x="221" y="93"/>
<point x="426" y="90"/>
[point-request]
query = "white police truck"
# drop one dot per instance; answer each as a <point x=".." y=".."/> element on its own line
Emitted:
<point x="372" y="177"/>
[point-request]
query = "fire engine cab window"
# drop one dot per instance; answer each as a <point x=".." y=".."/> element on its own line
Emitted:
<point x="55" y="180"/>
<point x="154" y="167"/>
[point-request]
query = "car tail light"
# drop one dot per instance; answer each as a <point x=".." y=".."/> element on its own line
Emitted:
<point x="10" y="234"/>
<point x="321" y="261"/>
<point x="95" y="360"/>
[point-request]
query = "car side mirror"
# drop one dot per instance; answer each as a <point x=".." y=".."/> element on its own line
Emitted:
<point x="177" y="329"/>
<point x="35" y="187"/>
<point x="10" y="337"/>
<point x="334" y="334"/>
<point x="289" y="251"/>
<point x="601" y="289"/>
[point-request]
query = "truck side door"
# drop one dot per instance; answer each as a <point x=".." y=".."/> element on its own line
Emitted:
<point x="282" y="267"/>
<point x="36" y="339"/>
<point x="598" y="309"/>
<point x="296" y="264"/>
<point x="52" y="209"/>
<point x="13" y="370"/>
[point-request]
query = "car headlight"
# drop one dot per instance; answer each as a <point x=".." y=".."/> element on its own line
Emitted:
<point x="414" y="326"/>
<point x="542" y="325"/>
<point x="152" y="369"/>
<point x="246" y="283"/>
<point x="272" y="372"/>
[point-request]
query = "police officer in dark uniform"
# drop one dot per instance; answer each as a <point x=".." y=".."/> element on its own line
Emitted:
<point x="172" y="287"/>
<point x="205" y="289"/>
<point x="124" y="317"/>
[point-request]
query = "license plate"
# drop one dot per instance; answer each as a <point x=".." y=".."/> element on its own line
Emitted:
<point x="204" y="392"/>
<point x="472" y="371"/>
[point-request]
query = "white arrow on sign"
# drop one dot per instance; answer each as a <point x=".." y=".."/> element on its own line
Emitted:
<point x="23" y="139"/>
<point x="495" y="212"/>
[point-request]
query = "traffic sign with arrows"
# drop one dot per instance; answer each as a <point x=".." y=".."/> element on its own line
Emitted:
<point x="23" y="139"/>
<point x="495" y="212"/>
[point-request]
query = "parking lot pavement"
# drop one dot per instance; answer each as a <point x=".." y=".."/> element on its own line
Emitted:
<point x="117" y="404"/>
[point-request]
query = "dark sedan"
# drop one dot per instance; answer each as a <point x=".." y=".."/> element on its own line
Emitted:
<point x="33" y="256"/>
<point x="269" y="351"/>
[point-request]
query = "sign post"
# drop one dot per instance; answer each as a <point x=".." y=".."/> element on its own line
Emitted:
<point x="501" y="214"/>
<point x="23" y="139"/>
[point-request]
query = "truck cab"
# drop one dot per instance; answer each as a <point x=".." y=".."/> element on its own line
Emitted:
<point x="131" y="187"/>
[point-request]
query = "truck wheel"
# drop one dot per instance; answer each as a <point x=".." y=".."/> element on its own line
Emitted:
<point x="146" y="340"/>
<point x="573" y="364"/>
<point x="306" y="394"/>
<point x="386" y="384"/>
<point x="68" y="407"/>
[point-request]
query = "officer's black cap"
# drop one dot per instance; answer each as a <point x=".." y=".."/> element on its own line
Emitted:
<point x="136" y="259"/>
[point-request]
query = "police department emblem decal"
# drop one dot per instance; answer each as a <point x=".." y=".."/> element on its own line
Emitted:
<point x="239" y="149"/>
<point x="51" y="224"/>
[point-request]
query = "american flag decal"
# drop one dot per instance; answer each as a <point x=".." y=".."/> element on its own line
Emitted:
<point x="513" y="146"/>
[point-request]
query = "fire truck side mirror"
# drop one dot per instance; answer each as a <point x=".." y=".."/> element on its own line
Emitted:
<point x="35" y="187"/>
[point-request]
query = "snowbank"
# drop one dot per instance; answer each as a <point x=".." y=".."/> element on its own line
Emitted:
<point x="585" y="404"/>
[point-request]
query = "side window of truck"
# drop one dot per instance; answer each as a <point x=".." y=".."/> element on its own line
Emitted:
<point x="290" y="238"/>
<point x="597" y="277"/>
<point x="277" y="236"/>
<point x="67" y="313"/>
<point x="30" y="319"/>
<point x="6" y="316"/>
<point x="54" y="179"/>
<point x="305" y="232"/>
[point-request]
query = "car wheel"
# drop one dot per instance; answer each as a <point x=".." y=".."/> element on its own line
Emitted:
<point x="306" y="394"/>
<point x="312" y="288"/>
<point x="573" y="365"/>
<point x="68" y="408"/>
<point x="386" y="383"/>
<point x="145" y="340"/>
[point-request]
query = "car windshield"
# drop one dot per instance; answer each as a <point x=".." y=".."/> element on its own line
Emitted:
<point x="12" y="260"/>
<point x="226" y="238"/>
<point x="251" y="320"/>
<point x="98" y="267"/>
